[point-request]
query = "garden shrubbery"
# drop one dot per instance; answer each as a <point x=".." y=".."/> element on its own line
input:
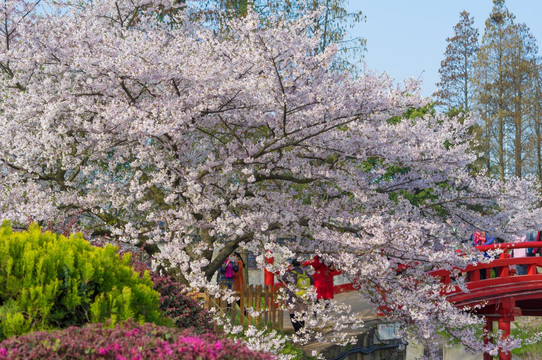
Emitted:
<point x="49" y="281"/>
<point x="178" y="306"/>
<point x="128" y="340"/>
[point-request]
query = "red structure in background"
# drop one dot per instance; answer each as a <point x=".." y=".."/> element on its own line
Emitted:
<point x="269" y="277"/>
<point x="506" y="296"/>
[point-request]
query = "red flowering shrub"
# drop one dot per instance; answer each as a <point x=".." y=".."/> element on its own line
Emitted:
<point x="177" y="305"/>
<point x="126" y="341"/>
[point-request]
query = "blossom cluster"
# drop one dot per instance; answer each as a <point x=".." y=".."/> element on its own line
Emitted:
<point x="126" y="341"/>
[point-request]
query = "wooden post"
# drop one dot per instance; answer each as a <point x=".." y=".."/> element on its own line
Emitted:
<point x="242" y="306"/>
<point x="266" y="296"/>
<point x="258" y="307"/>
<point x="233" y="310"/>
<point x="250" y="293"/>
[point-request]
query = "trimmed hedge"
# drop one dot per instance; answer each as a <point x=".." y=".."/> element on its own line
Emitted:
<point x="49" y="281"/>
<point x="126" y="341"/>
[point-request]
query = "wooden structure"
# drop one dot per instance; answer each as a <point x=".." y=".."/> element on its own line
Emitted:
<point x="261" y="299"/>
<point x="506" y="296"/>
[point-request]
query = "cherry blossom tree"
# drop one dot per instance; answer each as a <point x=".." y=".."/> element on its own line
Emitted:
<point x="158" y="131"/>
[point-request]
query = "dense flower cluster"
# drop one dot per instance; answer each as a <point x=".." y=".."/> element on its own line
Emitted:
<point x="126" y="341"/>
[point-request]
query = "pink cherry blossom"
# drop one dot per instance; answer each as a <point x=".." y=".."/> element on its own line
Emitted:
<point x="157" y="129"/>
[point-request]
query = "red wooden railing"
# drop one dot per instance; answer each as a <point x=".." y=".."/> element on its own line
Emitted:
<point x="505" y="296"/>
<point x="502" y="265"/>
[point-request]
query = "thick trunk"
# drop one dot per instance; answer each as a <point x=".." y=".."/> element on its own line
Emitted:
<point x="223" y="254"/>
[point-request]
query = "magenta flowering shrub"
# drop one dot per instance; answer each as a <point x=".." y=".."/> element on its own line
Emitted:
<point x="177" y="305"/>
<point x="126" y="341"/>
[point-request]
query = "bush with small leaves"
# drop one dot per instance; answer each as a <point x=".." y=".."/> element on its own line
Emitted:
<point x="178" y="306"/>
<point x="127" y="340"/>
<point x="48" y="281"/>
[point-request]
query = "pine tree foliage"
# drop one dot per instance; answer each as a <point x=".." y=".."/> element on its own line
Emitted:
<point x="504" y="72"/>
<point x="455" y="88"/>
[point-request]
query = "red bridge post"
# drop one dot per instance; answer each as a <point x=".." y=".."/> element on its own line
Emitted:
<point x="507" y="312"/>
<point x="504" y="325"/>
<point x="269" y="277"/>
<point x="488" y="327"/>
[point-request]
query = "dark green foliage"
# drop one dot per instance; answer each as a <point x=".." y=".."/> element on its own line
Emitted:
<point x="49" y="281"/>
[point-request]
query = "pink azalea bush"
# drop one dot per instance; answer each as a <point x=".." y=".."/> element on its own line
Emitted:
<point x="178" y="306"/>
<point x="126" y="341"/>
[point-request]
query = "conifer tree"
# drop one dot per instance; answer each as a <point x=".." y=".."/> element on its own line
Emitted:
<point x="522" y="68"/>
<point x="493" y="83"/>
<point x="536" y="113"/>
<point x="455" y="88"/>
<point x="504" y="73"/>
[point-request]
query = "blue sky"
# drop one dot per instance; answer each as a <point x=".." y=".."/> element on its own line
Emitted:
<point x="407" y="38"/>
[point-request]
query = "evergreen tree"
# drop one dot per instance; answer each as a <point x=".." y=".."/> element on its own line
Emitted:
<point x="493" y="83"/>
<point x="504" y="74"/>
<point x="535" y="111"/>
<point x="522" y="68"/>
<point x="455" y="88"/>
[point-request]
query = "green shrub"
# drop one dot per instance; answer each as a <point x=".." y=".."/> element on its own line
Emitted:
<point x="49" y="281"/>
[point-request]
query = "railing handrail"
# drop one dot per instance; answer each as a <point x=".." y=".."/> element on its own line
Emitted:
<point x="500" y="262"/>
<point x="524" y="260"/>
<point x="508" y="246"/>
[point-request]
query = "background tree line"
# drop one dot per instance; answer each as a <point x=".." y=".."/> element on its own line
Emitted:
<point x="497" y="79"/>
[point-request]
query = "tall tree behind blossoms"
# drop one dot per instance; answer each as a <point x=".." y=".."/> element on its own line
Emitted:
<point x="155" y="129"/>
<point x="536" y="111"/>
<point x="456" y="87"/>
<point x="523" y="70"/>
<point x="505" y="77"/>
<point x="331" y="25"/>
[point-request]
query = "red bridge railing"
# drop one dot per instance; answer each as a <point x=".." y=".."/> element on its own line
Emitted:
<point x="503" y="266"/>
<point x="505" y="296"/>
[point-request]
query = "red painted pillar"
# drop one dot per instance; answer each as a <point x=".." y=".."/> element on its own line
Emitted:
<point x="269" y="277"/>
<point x="487" y="337"/>
<point x="504" y="325"/>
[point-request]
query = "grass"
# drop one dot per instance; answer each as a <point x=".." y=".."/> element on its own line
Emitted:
<point x="526" y="328"/>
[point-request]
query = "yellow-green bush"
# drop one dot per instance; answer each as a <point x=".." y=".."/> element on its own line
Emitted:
<point x="49" y="281"/>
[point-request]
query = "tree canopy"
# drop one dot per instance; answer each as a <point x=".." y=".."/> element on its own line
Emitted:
<point x="153" y="129"/>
